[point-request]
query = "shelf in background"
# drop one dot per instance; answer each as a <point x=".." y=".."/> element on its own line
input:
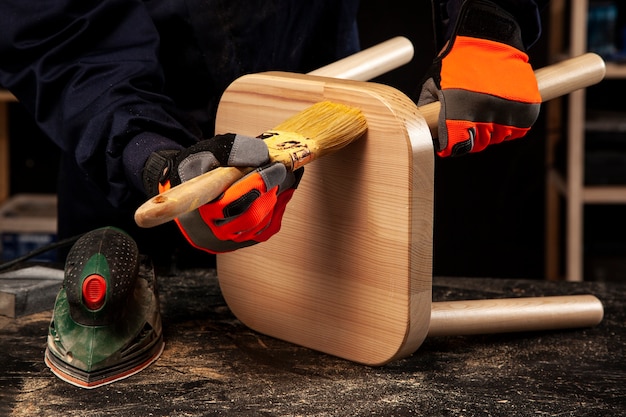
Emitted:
<point x="591" y="194"/>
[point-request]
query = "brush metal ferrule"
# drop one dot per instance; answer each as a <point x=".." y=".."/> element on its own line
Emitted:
<point x="290" y="148"/>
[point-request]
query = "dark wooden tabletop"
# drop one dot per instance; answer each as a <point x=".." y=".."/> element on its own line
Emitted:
<point x="215" y="366"/>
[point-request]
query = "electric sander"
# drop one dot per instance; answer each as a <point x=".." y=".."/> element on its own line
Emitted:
<point x="106" y="323"/>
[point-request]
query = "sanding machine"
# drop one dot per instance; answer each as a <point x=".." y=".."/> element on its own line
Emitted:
<point x="106" y="323"/>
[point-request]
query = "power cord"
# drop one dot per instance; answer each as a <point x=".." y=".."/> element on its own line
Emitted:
<point x="52" y="246"/>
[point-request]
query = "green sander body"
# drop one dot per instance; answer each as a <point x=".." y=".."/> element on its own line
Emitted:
<point x="106" y="323"/>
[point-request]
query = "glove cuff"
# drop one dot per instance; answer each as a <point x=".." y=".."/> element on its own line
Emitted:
<point x="157" y="170"/>
<point x="486" y="20"/>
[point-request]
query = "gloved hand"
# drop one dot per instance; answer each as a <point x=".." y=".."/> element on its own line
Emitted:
<point x="248" y="212"/>
<point x="484" y="82"/>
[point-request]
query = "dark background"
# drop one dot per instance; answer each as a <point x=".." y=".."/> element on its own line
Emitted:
<point x="489" y="207"/>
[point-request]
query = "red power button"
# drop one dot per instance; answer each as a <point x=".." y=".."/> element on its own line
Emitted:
<point x="94" y="291"/>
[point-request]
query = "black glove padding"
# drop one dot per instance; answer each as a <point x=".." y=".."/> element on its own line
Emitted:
<point x="222" y="150"/>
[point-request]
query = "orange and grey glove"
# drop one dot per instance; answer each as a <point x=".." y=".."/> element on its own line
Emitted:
<point x="248" y="212"/>
<point x="484" y="82"/>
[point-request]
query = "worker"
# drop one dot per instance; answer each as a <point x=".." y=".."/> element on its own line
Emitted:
<point x="128" y="90"/>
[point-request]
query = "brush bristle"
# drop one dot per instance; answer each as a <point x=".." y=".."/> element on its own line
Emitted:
<point x="331" y="125"/>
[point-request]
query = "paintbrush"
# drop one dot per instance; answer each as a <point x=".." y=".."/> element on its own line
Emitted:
<point x="319" y="129"/>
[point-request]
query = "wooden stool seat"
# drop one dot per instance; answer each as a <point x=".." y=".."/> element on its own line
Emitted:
<point x="349" y="273"/>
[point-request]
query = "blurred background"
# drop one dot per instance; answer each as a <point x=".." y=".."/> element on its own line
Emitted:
<point x="490" y="208"/>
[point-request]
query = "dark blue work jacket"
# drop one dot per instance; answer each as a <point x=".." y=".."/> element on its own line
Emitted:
<point x="111" y="81"/>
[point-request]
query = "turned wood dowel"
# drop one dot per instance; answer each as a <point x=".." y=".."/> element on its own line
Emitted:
<point x="371" y="62"/>
<point x="456" y="318"/>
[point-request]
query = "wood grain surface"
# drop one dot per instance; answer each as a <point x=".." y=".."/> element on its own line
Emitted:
<point x="350" y="271"/>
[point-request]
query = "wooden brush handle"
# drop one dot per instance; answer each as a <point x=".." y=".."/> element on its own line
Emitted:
<point x="553" y="80"/>
<point x="187" y="196"/>
<point x="456" y="318"/>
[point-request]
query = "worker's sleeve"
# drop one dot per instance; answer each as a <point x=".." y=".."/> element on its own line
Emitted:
<point x="88" y="72"/>
<point x="526" y="12"/>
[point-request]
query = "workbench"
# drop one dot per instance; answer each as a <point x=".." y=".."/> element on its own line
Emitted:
<point x="215" y="366"/>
